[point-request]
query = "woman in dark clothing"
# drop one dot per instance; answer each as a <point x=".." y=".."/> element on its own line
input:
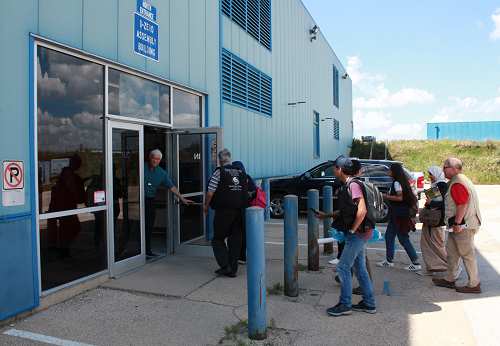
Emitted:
<point x="402" y="207"/>
<point x="251" y="194"/>
<point x="433" y="239"/>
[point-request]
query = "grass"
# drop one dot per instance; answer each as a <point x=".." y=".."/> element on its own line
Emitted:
<point x="276" y="289"/>
<point x="481" y="159"/>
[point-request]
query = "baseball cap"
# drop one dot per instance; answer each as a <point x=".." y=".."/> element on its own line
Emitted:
<point x="343" y="162"/>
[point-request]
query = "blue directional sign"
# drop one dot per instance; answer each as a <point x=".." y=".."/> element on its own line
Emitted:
<point x="146" y="30"/>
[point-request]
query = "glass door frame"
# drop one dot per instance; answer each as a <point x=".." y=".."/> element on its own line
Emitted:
<point x="117" y="268"/>
<point x="175" y="149"/>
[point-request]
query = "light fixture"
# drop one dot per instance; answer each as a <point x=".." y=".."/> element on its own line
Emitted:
<point x="314" y="32"/>
<point x="345" y="76"/>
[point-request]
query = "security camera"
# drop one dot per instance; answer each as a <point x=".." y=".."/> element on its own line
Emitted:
<point x="345" y="76"/>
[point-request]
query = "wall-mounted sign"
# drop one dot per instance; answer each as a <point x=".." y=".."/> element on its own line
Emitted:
<point x="146" y="30"/>
<point x="13" y="183"/>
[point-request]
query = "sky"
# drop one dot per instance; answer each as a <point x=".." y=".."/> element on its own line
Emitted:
<point x="415" y="61"/>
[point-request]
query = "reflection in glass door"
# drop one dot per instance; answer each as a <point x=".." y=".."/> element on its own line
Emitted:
<point x="126" y="177"/>
<point x="196" y="148"/>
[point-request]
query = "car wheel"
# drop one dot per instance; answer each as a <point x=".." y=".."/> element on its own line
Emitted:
<point x="385" y="213"/>
<point x="277" y="207"/>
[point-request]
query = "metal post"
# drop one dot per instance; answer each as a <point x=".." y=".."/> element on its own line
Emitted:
<point x="312" y="231"/>
<point x="291" y="250"/>
<point x="327" y="208"/>
<point x="266" y="186"/>
<point x="256" y="274"/>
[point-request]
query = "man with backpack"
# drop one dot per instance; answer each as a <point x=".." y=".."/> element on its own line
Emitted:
<point x="352" y="219"/>
<point x="227" y="195"/>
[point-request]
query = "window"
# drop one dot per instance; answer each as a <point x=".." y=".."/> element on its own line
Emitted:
<point x="336" y="129"/>
<point x="325" y="171"/>
<point x="187" y="109"/>
<point x="244" y="85"/>
<point x="70" y="135"/>
<point x="70" y="131"/>
<point x="133" y="96"/>
<point x="253" y="16"/>
<point x="316" y="134"/>
<point x="335" y="86"/>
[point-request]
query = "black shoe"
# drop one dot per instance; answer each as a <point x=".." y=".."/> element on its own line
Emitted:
<point x="151" y="254"/>
<point x="230" y="274"/>
<point x="357" y="291"/>
<point x="361" y="306"/>
<point x="337" y="279"/>
<point x="339" y="310"/>
<point x="222" y="271"/>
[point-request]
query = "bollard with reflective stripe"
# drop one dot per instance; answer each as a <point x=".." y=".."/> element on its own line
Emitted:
<point x="266" y="186"/>
<point x="327" y="208"/>
<point x="312" y="230"/>
<point x="291" y="250"/>
<point x="256" y="270"/>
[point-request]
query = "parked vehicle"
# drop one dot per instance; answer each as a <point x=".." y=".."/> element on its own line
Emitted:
<point x="374" y="171"/>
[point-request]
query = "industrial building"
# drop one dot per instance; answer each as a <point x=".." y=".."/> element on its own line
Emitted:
<point x="89" y="87"/>
<point x="467" y="130"/>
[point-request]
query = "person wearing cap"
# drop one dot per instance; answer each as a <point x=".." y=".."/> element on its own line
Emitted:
<point x="154" y="176"/>
<point x="351" y="220"/>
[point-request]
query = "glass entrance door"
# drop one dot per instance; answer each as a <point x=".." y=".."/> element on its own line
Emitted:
<point x="126" y="201"/>
<point x="196" y="151"/>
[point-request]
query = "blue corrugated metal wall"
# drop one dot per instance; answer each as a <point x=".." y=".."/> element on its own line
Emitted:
<point x="474" y="130"/>
<point x="301" y="71"/>
<point x="189" y="54"/>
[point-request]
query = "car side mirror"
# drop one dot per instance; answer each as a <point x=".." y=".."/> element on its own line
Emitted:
<point x="307" y="175"/>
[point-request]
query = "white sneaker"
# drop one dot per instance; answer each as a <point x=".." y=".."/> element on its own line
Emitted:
<point x="414" y="267"/>
<point x="385" y="264"/>
<point x="334" y="261"/>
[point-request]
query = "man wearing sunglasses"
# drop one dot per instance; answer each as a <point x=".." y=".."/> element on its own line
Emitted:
<point x="464" y="219"/>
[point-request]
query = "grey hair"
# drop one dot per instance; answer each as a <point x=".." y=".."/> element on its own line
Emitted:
<point x="156" y="152"/>
<point x="224" y="156"/>
<point x="454" y="162"/>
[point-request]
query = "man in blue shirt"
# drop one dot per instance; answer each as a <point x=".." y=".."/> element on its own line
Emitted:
<point x="154" y="176"/>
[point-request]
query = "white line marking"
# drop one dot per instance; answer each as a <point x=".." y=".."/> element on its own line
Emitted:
<point x="43" y="338"/>
<point x="368" y="248"/>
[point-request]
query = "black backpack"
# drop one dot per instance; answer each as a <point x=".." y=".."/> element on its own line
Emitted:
<point x="232" y="190"/>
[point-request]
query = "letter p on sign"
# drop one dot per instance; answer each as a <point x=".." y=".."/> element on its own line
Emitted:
<point x="13" y="175"/>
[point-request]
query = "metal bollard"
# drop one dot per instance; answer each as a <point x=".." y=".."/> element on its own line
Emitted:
<point x="327" y="208"/>
<point x="266" y="186"/>
<point x="312" y="231"/>
<point x="256" y="274"/>
<point x="291" y="250"/>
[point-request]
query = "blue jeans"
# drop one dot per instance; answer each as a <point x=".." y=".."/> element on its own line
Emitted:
<point x="353" y="256"/>
<point x="404" y="239"/>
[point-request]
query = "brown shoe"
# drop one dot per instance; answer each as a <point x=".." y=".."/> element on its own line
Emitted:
<point x="443" y="283"/>
<point x="467" y="289"/>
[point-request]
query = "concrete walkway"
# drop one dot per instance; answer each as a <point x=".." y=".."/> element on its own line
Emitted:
<point x="179" y="301"/>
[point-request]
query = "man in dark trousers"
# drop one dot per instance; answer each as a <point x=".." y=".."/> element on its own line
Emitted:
<point x="227" y="195"/>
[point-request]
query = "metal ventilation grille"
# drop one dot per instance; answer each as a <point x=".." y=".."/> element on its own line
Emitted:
<point x="244" y="85"/>
<point x="253" y="16"/>
<point x="336" y="129"/>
